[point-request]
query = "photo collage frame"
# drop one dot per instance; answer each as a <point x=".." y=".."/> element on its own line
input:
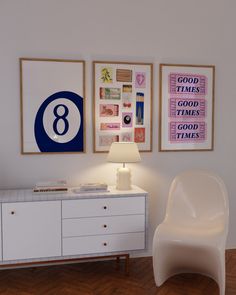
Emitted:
<point x="122" y="104"/>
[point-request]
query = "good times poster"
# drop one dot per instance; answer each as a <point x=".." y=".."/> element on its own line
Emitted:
<point x="186" y="107"/>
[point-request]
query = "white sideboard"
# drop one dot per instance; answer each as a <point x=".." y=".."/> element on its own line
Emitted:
<point x="44" y="228"/>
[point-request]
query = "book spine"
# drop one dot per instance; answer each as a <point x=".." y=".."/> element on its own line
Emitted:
<point x="41" y="190"/>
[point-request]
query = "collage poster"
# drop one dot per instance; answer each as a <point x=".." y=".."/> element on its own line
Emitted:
<point x="186" y="107"/>
<point x="122" y="104"/>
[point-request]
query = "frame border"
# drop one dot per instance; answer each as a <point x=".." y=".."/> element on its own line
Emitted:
<point x="160" y="108"/>
<point x="21" y="59"/>
<point x="151" y="98"/>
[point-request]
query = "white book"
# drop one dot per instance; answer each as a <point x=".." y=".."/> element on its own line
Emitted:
<point x="51" y="184"/>
<point x="93" y="186"/>
<point x="83" y="191"/>
<point x="47" y="190"/>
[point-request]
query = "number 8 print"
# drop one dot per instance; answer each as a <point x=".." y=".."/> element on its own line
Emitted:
<point x="59" y="123"/>
<point x="61" y="117"/>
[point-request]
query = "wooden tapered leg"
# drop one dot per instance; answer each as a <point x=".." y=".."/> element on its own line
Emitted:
<point x="118" y="262"/>
<point x="127" y="264"/>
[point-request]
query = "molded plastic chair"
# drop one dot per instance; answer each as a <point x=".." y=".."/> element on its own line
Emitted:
<point x="193" y="234"/>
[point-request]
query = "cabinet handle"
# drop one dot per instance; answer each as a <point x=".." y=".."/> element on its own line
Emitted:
<point x="104" y="225"/>
<point x="12" y="212"/>
<point x="104" y="244"/>
<point x="104" y="207"/>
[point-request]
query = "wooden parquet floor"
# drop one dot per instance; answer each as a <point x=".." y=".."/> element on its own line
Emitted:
<point x="102" y="278"/>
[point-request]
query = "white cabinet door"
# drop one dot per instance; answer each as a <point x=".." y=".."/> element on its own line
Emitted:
<point x="31" y="230"/>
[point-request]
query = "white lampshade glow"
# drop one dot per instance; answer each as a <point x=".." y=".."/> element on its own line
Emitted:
<point x="123" y="152"/>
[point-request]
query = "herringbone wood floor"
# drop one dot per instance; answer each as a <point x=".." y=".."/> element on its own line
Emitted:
<point x="101" y="278"/>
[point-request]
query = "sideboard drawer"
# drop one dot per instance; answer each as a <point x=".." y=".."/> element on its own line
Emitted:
<point x="102" y="244"/>
<point x="103" y="207"/>
<point x="103" y="225"/>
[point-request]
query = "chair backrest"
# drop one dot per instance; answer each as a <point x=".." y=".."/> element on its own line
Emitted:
<point x="197" y="197"/>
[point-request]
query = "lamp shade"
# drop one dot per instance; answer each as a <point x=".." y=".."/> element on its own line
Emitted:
<point x="123" y="152"/>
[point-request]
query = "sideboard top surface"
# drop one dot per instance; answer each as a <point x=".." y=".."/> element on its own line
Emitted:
<point x="27" y="195"/>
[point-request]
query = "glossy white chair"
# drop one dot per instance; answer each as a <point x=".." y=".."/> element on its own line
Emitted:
<point x="193" y="234"/>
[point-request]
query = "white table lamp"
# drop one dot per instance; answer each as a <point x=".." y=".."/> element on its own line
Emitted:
<point x="123" y="152"/>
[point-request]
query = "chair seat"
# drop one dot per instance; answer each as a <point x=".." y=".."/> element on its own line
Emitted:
<point x="187" y="231"/>
<point x="197" y="235"/>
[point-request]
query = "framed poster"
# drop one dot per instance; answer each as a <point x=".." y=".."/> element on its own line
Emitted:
<point x="186" y="107"/>
<point x="122" y="104"/>
<point x="52" y="106"/>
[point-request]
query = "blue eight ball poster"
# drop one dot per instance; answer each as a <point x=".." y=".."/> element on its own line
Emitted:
<point x="52" y="105"/>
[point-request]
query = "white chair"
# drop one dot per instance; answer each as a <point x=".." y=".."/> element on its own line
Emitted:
<point x="193" y="234"/>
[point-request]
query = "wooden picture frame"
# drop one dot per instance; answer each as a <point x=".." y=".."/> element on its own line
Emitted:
<point x="52" y="105"/>
<point x="186" y="107"/>
<point x="122" y="105"/>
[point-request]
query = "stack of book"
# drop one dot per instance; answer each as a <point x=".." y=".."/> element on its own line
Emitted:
<point x="91" y="187"/>
<point x="58" y="186"/>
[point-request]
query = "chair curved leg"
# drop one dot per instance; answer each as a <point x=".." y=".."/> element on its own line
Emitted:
<point x="221" y="276"/>
<point x="170" y="259"/>
<point x="161" y="268"/>
<point x="222" y="287"/>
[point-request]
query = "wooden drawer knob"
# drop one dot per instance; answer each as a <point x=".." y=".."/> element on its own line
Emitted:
<point x="12" y="212"/>
<point x="104" y="207"/>
<point x="104" y="225"/>
<point x="104" y="244"/>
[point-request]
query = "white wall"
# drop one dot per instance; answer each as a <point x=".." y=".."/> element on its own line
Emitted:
<point x="183" y="31"/>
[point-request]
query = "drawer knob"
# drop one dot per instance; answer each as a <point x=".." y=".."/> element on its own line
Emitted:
<point x="104" y="244"/>
<point x="104" y="225"/>
<point x="104" y="207"/>
<point x="12" y="212"/>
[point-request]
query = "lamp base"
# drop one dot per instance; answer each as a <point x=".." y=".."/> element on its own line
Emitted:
<point x="123" y="179"/>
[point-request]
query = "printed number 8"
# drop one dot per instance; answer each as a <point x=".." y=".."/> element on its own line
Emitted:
<point x="60" y="123"/>
<point x="61" y="117"/>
